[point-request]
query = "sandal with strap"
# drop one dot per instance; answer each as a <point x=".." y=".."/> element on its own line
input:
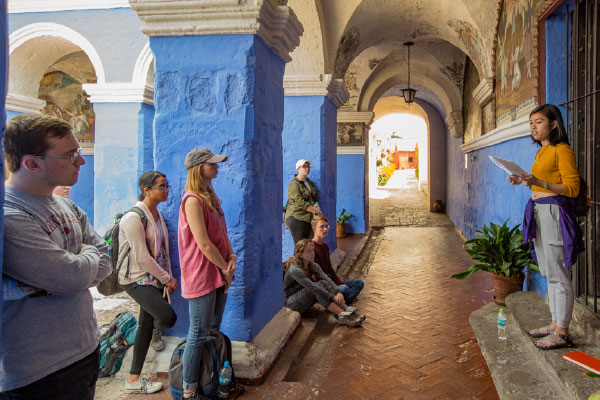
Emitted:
<point x="540" y="332"/>
<point x="555" y="345"/>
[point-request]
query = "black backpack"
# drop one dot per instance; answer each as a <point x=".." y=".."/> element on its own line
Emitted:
<point x="216" y="350"/>
<point x="581" y="201"/>
<point x="110" y="284"/>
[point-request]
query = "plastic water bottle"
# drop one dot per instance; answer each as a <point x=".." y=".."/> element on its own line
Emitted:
<point x="501" y="325"/>
<point x="224" y="381"/>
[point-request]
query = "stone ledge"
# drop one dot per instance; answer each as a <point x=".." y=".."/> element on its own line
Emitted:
<point x="514" y="365"/>
<point x="531" y="311"/>
<point x="518" y="368"/>
<point x="253" y="360"/>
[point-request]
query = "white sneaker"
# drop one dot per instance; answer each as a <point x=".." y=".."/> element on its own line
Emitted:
<point x="142" y="385"/>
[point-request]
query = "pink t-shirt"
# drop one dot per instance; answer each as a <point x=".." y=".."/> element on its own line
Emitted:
<point x="199" y="276"/>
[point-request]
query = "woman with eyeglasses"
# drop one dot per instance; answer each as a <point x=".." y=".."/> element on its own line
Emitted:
<point x="145" y="273"/>
<point x="206" y="258"/>
<point x="303" y="203"/>
<point x="304" y="284"/>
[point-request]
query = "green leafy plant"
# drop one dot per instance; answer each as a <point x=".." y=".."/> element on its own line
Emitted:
<point x="379" y="163"/>
<point x="499" y="250"/>
<point x="382" y="179"/>
<point x="343" y="217"/>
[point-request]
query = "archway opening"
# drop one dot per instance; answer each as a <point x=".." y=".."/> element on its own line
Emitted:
<point x="398" y="156"/>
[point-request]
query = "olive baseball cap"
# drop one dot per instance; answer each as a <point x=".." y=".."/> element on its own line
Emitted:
<point x="200" y="155"/>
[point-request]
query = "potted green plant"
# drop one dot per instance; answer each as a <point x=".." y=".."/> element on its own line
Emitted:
<point x="340" y="226"/>
<point x="499" y="250"/>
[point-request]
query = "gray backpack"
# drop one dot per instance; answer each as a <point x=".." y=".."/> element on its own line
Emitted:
<point x="216" y="350"/>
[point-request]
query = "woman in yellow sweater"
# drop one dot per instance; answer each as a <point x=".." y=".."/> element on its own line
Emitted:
<point x="549" y="224"/>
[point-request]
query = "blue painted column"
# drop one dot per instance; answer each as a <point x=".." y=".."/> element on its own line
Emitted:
<point x="223" y="90"/>
<point x="353" y="173"/>
<point x="123" y="148"/>
<point x="3" y="89"/>
<point x="309" y="132"/>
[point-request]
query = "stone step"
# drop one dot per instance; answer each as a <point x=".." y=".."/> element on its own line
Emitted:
<point x="518" y="368"/>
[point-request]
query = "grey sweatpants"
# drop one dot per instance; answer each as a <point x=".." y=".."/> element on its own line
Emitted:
<point x="305" y="298"/>
<point x="551" y="258"/>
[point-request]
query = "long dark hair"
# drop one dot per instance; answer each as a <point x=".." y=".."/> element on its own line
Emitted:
<point x="559" y="133"/>
<point x="147" y="180"/>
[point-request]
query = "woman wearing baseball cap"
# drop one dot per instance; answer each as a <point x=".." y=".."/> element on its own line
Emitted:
<point x="206" y="258"/>
<point x="303" y="203"/>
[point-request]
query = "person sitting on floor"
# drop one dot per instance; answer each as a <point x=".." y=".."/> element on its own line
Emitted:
<point x="350" y="288"/>
<point x="305" y="284"/>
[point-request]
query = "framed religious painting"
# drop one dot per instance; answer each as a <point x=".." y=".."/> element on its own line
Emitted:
<point x="350" y="134"/>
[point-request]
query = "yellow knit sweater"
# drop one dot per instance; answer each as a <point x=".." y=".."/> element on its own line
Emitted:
<point x="556" y="164"/>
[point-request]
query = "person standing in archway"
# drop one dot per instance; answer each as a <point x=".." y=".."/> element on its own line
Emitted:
<point x="303" y="202"/>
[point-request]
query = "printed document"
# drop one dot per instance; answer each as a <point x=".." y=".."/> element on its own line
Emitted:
<point x="509" y="166"/>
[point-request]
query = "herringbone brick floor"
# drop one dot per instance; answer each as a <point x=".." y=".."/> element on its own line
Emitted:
<point x="416" y="342"/>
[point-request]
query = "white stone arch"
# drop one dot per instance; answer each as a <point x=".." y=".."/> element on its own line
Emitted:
<point x="143" y="71"/>
<point x="423" y="75"/>
<point x="33" y="48"/>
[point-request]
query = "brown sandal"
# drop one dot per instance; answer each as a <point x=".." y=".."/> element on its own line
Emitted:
<point x="567" y="342"/>
<point x="537" y="333"/>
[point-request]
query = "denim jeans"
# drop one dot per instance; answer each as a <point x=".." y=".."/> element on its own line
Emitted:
<point x="74" y="382"/>
<point x="206" y="313"/>
<point x="354" y="286"/>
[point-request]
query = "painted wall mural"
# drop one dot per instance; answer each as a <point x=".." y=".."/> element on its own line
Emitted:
<point x="351" y="134"/>
<point x="66" y="99"/>
<point x="516" y="67"/>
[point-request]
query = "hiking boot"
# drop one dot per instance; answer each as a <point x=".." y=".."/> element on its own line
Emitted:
<point x="196" y="396"/>
<point x="352" y="321"/>
<point x="157" y="343"/>
<point x="142" y="385"/>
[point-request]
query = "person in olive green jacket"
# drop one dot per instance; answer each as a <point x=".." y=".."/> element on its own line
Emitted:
<point x="303" y="203"/>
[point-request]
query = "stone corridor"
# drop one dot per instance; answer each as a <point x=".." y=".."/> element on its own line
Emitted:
<point x="416" y="342"/>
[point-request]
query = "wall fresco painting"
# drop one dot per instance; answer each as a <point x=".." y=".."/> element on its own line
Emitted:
<point x="516" y="68"/>
<point x="66" y="99"/>
<point x="351" y="134"/>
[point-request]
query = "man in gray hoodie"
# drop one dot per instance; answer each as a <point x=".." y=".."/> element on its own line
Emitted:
<point x="52" y="256"/>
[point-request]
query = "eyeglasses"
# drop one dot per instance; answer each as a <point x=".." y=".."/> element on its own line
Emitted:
<point x="306" y="166"/>
<point x="324" y="227"/>
<point x="73" y="158"/>
<point x="163" y="188"/>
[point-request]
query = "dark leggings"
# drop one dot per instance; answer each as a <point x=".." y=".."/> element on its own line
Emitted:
<point x="155" y="312"/>
<point x="299" y="229"/>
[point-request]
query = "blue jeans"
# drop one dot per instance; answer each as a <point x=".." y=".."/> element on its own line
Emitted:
<point x="206" y="313"/>
<point x="354" y="286"/>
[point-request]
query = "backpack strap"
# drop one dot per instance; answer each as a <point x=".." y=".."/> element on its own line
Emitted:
<point x="214" y="359"/>
<point x="144" y="220"/>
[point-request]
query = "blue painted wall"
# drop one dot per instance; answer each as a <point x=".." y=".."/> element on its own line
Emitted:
<point x="306" y="136"/>
<point x="3" y="90"/>
<point x="118" y="158"/>
<point x="118" y="43"/>
<point x="351" y="190"/>
<point x="232" y="103"/>
<point x="82" y="193"/>
<point x="481" y="194"/>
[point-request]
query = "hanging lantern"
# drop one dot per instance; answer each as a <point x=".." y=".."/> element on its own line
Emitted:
<point x="408" y="93"/>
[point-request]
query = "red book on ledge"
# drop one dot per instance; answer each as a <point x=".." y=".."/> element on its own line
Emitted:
<point x="584" y="360"/>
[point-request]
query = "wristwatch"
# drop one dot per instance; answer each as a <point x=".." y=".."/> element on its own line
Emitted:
<point x="545" y="186"/>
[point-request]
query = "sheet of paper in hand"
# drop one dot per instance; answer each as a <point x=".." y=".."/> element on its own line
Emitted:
<point x="509" y="166"/>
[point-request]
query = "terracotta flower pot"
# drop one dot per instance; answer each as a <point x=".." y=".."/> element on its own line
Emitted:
<point x="340" y="230"/>
<point x="504" y="286"/>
